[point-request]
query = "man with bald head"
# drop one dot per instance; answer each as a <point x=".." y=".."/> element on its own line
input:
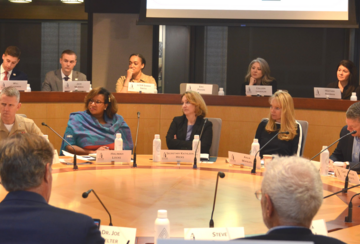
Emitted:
<point x="291" y="195"/>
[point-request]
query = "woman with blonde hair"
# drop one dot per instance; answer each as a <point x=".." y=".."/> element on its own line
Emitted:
<point x="258" y="74"/>
<point x="281" y="119"/>
<point x="183" y="128"/>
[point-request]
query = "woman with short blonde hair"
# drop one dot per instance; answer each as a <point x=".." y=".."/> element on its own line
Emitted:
<point x="183" y="128"/>
<point x="281" y="119"/>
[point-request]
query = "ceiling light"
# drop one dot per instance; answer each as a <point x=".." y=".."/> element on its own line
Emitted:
<point x="72" y="1"/>
<point x="20" y="1"/>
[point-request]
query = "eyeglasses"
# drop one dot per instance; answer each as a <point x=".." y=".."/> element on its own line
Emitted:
<point x="96" y="102"/>
<point x="258" y="194"/>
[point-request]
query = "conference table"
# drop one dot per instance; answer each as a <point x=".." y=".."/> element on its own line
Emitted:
<point x="133" y="196"/>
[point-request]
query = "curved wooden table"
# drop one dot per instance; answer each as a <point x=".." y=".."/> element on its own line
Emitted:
<point x="133" y="195"/>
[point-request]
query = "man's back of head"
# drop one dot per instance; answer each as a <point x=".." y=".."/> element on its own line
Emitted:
<point x="294" y="187"/>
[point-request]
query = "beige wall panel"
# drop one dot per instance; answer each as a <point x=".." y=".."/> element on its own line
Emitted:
<point x="164" y="127"/>
<point x="326" y="118"/>
<point x="170" y="111"/>
<point x="147" y="111"/>
<point x="238" y="113"/>
<point x="115" y="37"/>
<point x="63" y="110"/>
<point x="33" y="110"/>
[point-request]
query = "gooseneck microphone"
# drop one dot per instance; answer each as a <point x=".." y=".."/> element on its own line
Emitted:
<point x="197" y="146"/>
<point x="222" y="175"/>
<point x="348" y="218"/>
<point x="137" y="133"/>
<point x="350" y="133"/>
<point x="74" y="162"/>
<point x="340" y="191"/>
<point x="253" y="171"/>
<point x="86" y="194"/>
<point x="347" y="178"/>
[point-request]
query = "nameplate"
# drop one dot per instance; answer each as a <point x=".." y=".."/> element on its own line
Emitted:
<point x="141" y="87"/>
<point x="341" y="175"/>
<point x="318" y="227"/>
<point x="177" y="156"/>
<point x="215" y="234"/>
<point x="81" y="86"/>
<point x="20" y="85"/>
<point x="321" y="92"/>
<point x="113" y="156"/>
<point x="113" y="234"/>
<point x="200" y="88"/>
<point x="243" y="159"/>
<point x="258" y="90"/>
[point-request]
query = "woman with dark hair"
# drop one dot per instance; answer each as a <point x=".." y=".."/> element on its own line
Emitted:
<point x="134" y="74"/>
<point x="346" y="79"/>
<point x="96" y="127"/>
<point x="258" y="74"/>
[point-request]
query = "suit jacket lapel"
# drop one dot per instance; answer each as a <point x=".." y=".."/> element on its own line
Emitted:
<point x="59" y="84"/>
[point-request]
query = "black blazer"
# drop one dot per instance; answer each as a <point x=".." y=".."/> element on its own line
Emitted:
<point x="18" y="75"/>
<point x="178" y="127"/>
<point x="343" y="151"/>
<point x="295" y="234"/>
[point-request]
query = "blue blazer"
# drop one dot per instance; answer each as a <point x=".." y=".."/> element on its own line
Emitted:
<point x="25" y="217"/>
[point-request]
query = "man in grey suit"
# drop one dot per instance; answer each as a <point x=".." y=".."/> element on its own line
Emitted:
<point x="54" y="79"/>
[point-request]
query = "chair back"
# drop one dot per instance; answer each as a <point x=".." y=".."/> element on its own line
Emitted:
<point x="214" y="149"/>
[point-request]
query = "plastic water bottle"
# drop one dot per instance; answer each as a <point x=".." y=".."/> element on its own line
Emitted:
<point x="118" y="142"/>
<point x="195" y="143"/>
<point x="255" y="147"/>
<point x="221" y="91"/>
<point x="46" y="137"/>
<point x="28" y="88"/>
<point x="90" y="89"/>
<point x="353" y="96"/>
<point x="324" y="162"/>
<point x="156" y="148"/>
<point x="162" y="226"/>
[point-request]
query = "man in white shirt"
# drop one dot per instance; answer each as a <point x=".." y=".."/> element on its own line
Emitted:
<point x="11" y="58"/>
<point x="10" y="122"/>
<point x="55" y="79"/>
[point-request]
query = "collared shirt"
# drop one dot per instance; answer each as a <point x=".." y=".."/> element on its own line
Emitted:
<point x="2" y="73"/>
<point x="356" y="149"/>
<point x="63" y="76"/>
<point x="21" y="125"/>
<point x="143" y="78"/>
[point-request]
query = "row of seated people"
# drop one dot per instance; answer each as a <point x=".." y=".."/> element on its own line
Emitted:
<point x="95" y="128"/>
<point x="258" y="73"/>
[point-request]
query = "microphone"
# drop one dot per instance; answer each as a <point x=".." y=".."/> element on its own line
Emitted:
<point x="344" y="190"/>
<point x="75" y="165"/>
<point x="137" y="133"/>
<point x="86" y="194"/>
<point x="340" y="191"/>
<point x="348" y="218"/>
<point x="197" y="146"/>
<point x="350" y="133"/>
<point x="222" y="175"/>
<point x="253" y="171"/>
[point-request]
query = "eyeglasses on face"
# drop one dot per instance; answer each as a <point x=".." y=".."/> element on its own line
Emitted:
<point x="258" y="194"/>
<point x="96" y="102"/>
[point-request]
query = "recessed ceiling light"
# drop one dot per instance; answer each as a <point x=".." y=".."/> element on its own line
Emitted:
<point x="72" y="1"/>
<point x="20" y="1"/>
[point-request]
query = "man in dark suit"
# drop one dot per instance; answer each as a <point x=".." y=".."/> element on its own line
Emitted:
<point x="25" y="215"/>
<point x="11" y="58"/>
<point x="348" y="148"/>
<point x="54" y="79"/>
<point x="291" y="194"/>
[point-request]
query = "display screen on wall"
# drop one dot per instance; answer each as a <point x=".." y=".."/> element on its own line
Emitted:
<point x="249" y="9"/>
<point x="319" y="13"/>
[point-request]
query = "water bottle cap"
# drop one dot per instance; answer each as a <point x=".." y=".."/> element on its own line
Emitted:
<point x="324" y="147"/>
<point x="221" y="89"/>
<point x="196" y="137"/>
<point x="157" y="136"/>
<point x="256" y="140"/>
<point x="162" y="214"/>
<point x="118" y="135"/>
<point x="353" y="94"/>
<point x="46" y="137"/>
<point x="28" y="85"/>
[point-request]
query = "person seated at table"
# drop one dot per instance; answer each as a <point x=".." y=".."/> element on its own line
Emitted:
<point x="96" y="127"/>
<point x="346" y="79"/>
<point x="281" y="119"/>
<point x="134" y="74"/>
<point x="258" y="74"/>
<point x="183" y="128"/>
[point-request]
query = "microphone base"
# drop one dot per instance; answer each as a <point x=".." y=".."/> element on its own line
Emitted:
<point x="211" y="224"/>
<point x="348" y="220"/>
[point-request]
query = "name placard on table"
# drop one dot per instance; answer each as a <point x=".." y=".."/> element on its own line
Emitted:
<point x="258" y="90"/>
<point x="20" y="85"/>
<point x="200" y="88"/>
<point x="113" y="156"/>
<point x="177" y="156"/>
<point x="322" y="92"/>
<point x="81" y="86"/>
<point x="341" y="175"/>
<point x="243" y="159"/>
<point x="113" y="234"/>
<point x="215" y="234"/>
<point x="141" y="87"/>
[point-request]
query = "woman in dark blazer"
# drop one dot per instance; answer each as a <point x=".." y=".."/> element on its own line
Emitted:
<point x="183" y="128"/>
